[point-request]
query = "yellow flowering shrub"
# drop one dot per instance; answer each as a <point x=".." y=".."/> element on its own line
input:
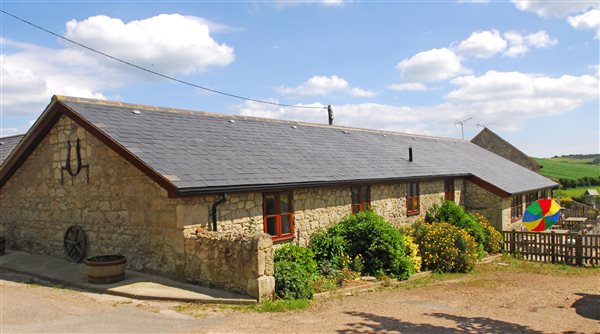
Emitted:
<point x="412" y="250"/>
<point x="493" y="238"/>
<point x="446" y="248"/>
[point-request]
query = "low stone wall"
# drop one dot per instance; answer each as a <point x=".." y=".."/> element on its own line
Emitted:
<point x="231" y="261"/>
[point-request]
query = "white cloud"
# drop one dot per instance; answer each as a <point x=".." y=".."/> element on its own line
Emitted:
<point x="359" y="92"/>
<point x="172" y="44"/>
<point x="323" y="85"/>
<point x="508" y="95"/>
<point x="482" y="44"/>
<point x="589" y="20"/>
<point x="408" y="86"/>
<point x="540" y="39"/>
<point x="554" y="8"/>
<point x="505" y="99"/>
<point x="169" y="43"/>
<point x="430" y="65"/>
<point x="519" y="44"/>
<point x="33" y="74"/>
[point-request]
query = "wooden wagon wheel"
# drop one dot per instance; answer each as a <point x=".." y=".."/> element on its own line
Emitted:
<point x="75" y="243"/>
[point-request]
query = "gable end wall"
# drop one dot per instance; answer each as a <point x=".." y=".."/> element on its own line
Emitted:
<point x="121" y="210"/>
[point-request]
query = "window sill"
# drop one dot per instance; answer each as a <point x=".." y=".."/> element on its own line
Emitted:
<point x="282" y="239"/>
<point x="412" y="213"/>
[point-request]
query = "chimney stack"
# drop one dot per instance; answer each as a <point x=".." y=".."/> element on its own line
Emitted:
<point x="410" y="156"/>
<point x="330" y="113"/>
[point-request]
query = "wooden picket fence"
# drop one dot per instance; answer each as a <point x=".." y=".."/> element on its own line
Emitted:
<point x="568" y="248"/>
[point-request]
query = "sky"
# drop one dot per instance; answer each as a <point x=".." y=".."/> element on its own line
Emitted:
<point x="528" y="70"/>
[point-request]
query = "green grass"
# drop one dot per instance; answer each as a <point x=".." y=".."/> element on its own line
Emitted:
<point x="573" y="192"/>
<point x="515" y="265"/>
<point x="568" y="168"/>
<point x="281" y="305"/>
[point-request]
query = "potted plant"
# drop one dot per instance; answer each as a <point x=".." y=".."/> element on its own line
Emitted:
<point x="105" y="269"/>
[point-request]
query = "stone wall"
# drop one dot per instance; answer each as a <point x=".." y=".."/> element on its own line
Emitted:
<point x="389" y="200"/>
<point x="231" y="261"/>
<point x="120" y="209"/>
<point x="490" y="205"/>
<point x="314" y="208"/>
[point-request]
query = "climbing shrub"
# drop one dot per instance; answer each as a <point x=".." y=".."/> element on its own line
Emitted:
<point x="493" y="238"/>
<point x="445" y="247"/>
<point x="369" y="243"/>
<point x="292" y="281"/>
<point x="328" y="248"/>
<point x="456" y="215"/>
<point x="301" y="255"/>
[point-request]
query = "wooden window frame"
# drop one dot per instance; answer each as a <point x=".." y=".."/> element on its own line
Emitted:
<point x="516" y="210"/>
<point x="449" y="191"/>
<point x="409" y="199"/>
<point x="360" y="206"/>
<point x="278" y="215"/>
<point x="530" y="198"/>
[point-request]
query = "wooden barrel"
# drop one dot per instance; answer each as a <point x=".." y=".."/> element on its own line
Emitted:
<point x="105" y="269"/>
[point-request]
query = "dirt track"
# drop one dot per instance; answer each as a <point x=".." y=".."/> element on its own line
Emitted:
<point x="498" y="298"/>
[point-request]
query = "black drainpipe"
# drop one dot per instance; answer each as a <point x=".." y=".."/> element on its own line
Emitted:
<point x="410" y="156"/>
<point x="213" y="213"/>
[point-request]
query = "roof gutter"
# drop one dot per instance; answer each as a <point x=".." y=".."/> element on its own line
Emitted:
<point x="182" y="192"/>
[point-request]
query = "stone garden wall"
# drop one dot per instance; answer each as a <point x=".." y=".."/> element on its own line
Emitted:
<point x="231" y="261"/>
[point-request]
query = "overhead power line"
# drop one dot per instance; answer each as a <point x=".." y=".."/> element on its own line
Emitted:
<point x="155" y="72"/>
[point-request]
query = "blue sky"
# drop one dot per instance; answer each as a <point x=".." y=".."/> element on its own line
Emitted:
<point x="528" y="70"/>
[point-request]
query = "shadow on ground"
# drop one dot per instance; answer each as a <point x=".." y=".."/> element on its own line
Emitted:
<point x="380" y="324"/>
<point x="588" y="306"/>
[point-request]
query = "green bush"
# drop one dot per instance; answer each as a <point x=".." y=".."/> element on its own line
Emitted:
<point x="380" y="244"/>
<point x="493" y="238"/>
<point x="327" y="246"/>
<point x="292" y="281"/>
<point x="456" y="215"/>
<point x="445" y="247"/>
<point x="297" y="254"/>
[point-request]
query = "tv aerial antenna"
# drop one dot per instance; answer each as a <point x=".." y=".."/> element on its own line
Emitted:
<point x="462" y="123"/>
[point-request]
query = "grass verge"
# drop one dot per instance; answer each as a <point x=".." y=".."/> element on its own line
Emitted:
<point x="280" y="305"/>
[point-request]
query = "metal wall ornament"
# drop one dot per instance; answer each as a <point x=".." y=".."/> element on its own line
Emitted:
<point x="75" y="243"/>
<point x="68" y="167"/>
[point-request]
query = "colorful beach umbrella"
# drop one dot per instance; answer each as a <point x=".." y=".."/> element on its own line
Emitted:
<point x="541" y="215"/>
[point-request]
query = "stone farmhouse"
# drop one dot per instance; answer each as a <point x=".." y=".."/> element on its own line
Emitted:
<point x="489" y="140"/>
<point x="143" y="181"/>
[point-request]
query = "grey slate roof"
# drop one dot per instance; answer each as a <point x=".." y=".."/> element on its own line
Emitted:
<point x="7" y="144"/>
<point x="212" y="151"/>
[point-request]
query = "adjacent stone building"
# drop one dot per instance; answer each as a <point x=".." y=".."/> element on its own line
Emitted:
<point x="7" y="144"/>
<point x="202" y="197"/>
<point x="489" y="140"/>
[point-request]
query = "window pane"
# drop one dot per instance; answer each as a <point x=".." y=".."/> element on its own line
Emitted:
<point x="284" y="202"/>
<point x="416" y="203"/>
<point x="364" y="194"/>
<point x="409" y="205"/>
<point x="272" y="225"/>
<point x="415" y="189"/>
<point x="286" y="226"/>
<point x="354" y="195"/>
<point x="270" y="204"/>
<point x="355" y="208"/>
<point x="409" y="190"/>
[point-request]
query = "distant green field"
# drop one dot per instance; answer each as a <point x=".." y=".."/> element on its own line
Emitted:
<point x="574" y="192"/>
<point x="568" y="168"/>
